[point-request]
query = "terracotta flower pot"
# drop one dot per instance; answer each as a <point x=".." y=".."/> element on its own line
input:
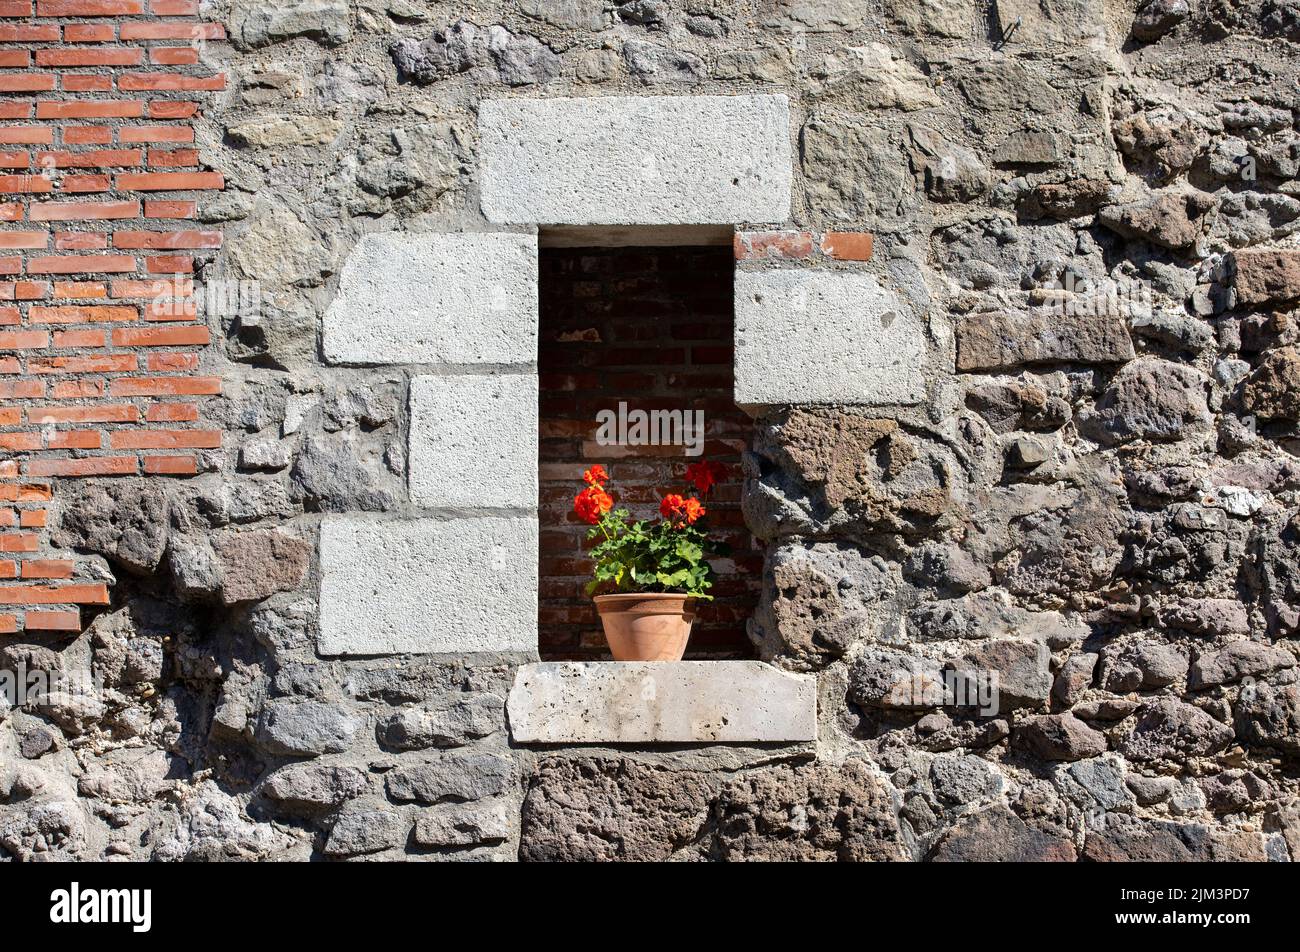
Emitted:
<point x="650" y="626"/>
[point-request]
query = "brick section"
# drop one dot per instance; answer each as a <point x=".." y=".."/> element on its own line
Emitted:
<point x="101" y="337"/>
<point x="803" y="245"/>
<point x="652" y="327"/>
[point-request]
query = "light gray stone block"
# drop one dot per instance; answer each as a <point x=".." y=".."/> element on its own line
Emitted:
<point x="428" y="586"/>
<point x="817" y="336"/>
<point x="658" y="702"/>
<point x="467" y="424"/>
<point x="652" y="160"/>
<point x="410" y="298"/>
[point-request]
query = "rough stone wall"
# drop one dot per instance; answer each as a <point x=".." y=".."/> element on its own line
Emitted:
<point x="1097" y="498"/>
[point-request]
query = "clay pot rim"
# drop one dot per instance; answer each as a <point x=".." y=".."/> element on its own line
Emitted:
<point x="641" y="596"/>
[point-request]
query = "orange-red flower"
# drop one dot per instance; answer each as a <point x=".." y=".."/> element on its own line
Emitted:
<point x="679" y="511"/>
<point x="705" y="475"/>
<point x="595" y="476"/>
<point x="592" y="503"/>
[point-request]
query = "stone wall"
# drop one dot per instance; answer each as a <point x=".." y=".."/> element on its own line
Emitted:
<point x="1046" y="429"/>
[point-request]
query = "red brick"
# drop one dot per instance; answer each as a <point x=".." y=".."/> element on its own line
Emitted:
<point x="86" y="389"/>
<point x="848" y="245"/>
<point x="29" y="33"/>
<point x="88" y="8"/>
<point x="169" y="264"/>
<point x="86" y="83"/>
<point x="104" y="413"/>
<point x="86" y="183"/>
<point x="108" y="363"/>
<point x="165" y="439"/>
<point x="64" y="340"/>
<point x="172" y="31"/>
<point x="172" y="109"/>
<point x="11" y="211"/>
<point x="80" y="290"/>
<point x="76" y="440"/>
<point x="172" y="413"/>
<point x="135" y="134"/>
<point x="24" y="340"/>
<point x="171" y="82"/>
<point x="87" y="135"/>
<point x="52" y="621"/>
<point x="94" y="593"/>
<point x="15" y="8"/>
<point x="32" y="518"/>
<point x="169" y="181"/>
<point x="20" y="442"/>
<point x="166" y="240"/>
<point x="160" y="336"/>
<point x="166" y="209"/>
<point x="9" y="624"/>
<point x="19" y="542"/>
<point x="170" y="465"/>
<point x="75" y="211"/>
<point x="174" y="55"/>
<point x="24" y="239"/>
<point x="15" y="59"/>
<point x="26" y="135"/>
<point x="174" y="8"/>
<point x="48" y="568"/>
<point x="170" y="362"/>
<point x="99" y="109"/>
<point x="82" y="314"/>
<point x="89" y="466"/>
<point x="164" y="386"/>
<point x="103" y="56"/>
<point x="25" y="184"/>
<point x="80" y="264"/>
<point x="89" y="33"/>
<point x="26" y="82"/>
<point x="95" y="158"/>
<point x="171" y="158"/>
<point x="80" y="241"/>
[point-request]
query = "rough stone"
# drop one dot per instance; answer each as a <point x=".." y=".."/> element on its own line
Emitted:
<point x="456" y="826"/>
<point x="1241" y="659"/>
<point x="1169" y="729"/>
<point x="1010" y="339"/>
<point x="1264" y="276"/>
<point x="1151" y="399"/>
<point x="451" y="724"/>
<point x="314" y="787"/>
<point x="1273" y="389"/>
<point x="1060" y="737"/>
<point x="998" y="835"/>
<point x="452" y="776"/>
<point x="306" y="728"/>
<point x="256" y="564"/>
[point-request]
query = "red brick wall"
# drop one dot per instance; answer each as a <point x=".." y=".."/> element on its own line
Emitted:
<point x="653" y="327"/>
<point x="100" y="337"/>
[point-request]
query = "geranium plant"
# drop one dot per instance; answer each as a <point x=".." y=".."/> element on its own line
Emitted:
<point x="637" y="555"/>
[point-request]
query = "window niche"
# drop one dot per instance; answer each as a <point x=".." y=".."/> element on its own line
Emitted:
<point x="627" y="327"/>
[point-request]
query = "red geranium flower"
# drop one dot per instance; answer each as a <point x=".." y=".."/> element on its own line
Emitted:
<point x="592" y="503"/>
<point x="705" y="475"/>
<point x="679" y="511"/>
<point x="596" y="476"/>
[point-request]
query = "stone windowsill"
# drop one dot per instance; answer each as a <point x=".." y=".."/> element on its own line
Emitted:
<point x="713" y="702"/>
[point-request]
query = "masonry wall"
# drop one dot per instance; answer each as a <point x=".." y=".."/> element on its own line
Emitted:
<point x="1041" y="423"/>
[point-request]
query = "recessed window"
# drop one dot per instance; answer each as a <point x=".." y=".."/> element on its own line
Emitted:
<point x="635" y="348"/>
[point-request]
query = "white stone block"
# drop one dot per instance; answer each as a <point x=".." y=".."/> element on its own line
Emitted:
<point x="428" y="586"/>
<point x="650" y="160"/>
<point x="411" y="298"/>
<point x="661" y="702"/>
<point x="818" y="336"/>
<point x="463" y="426"/>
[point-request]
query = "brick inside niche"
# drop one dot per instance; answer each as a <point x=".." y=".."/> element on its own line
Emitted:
<point x="652" y="327"/>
